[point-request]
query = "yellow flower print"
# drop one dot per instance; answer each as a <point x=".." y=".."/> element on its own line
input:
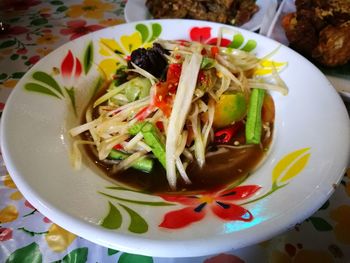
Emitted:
<point x="16" y="196"/>
<point x="47" y="38"/>
<point x="116" y="52"/>
<point x="111" y="22"/>
<point x="90" y="9"/>
<point x="109" y="67"/>
<point x="4" y="53"/>
<point x="10" y="83"/>
<point x="59" y="239"/>
<point x="267" y="67"/>
<point x="45" y="10"/>
<point x="127" y="45"/>
<point x="8" y="214"/>
<point x="8" y="182"/>
<point x="109" y="46"/>
<point x="131" y="42"/>
<point x="342" y="229"/>
<point x="43" y="51"/>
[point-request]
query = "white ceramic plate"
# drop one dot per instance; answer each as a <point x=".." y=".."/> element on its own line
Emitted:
<point x="136" y="10"/>
<point x="309" y="154"/>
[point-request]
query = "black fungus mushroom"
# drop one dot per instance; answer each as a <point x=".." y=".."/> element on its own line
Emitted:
<point x="152" y="59"/>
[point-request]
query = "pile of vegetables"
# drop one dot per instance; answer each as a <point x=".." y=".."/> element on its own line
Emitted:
<point x="171" y="103"/>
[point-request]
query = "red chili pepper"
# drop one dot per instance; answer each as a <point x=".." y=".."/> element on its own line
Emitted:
<point x="225" y="135"/>
<point x="160" y="125"/>
<point x="144" y="112"/>
<point x="118" y="147"/>
<point x="214" y="51"/>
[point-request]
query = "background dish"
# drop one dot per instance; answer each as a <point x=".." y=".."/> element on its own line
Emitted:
<point x="136" y="10"/>
<point x="338" y="76"/>
<point x="80" y="201"/>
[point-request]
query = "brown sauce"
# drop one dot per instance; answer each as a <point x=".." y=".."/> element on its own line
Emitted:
<point x="219" y="170"/>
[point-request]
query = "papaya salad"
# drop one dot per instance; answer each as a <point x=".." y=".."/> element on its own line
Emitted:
<point x="176" y="112"/>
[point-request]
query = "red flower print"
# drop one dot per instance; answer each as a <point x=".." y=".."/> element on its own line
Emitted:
<point x="22" y="51"/>
<point x="200" y="34"/>
<point x="220" y="203"/>
<point x="32" y="60"/>
<point x="27" y="204"/>
<point x="47" y="220"/>
<point x="9" y="30"/>
<point x="203" y="35"/>
<point x="70" y="67"/>
<point x="78" y="28"/>
<point x="5" y="234"/>
<point x="224" y="258"/>
<point x="18" y="4"/>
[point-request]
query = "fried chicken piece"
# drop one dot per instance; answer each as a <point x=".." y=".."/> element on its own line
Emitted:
<point x="235" y="12"/>
<point x="244" y="11"/>
<point x="167" y="9"/>
<point x="320" y="30"/>
<point x="333" y="48"/>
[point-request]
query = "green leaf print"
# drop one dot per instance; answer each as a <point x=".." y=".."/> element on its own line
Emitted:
<point x="39" y="21"/>
<point x="7" y="43"/>
<point x="48" y="80"/>
<point x="237" y="41"/>
<point x="150" y="203"/>
<point x="14" y="57"/>
<point x="320" y="224"/>
<point x="113" y="220"/>
<point x="78" y="255"/>
<point x="3" y="76"/>
<point x="30" y="253"/>
<point x="88" y="57"/>
<point x="39" y="88"/>
<point x="61" y="9"/>
<point x="56" y="2"/>
<point x="17" y="75"/>
<point x="156" y="31"/>
<point x="131" y="258"/>
<point x="137" y="225"/>
<point x="143" y="29"/>
<point x="112" y="252"/>
<point x="71" y="95"/>
<point x="325" y="205"/>
<point x="249" y="46"/>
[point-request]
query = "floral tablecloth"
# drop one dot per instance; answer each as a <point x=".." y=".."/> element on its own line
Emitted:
<point x="29" y="30"/>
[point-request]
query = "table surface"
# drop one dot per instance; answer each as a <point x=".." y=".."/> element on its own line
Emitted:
<point x="29" y="30"/>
